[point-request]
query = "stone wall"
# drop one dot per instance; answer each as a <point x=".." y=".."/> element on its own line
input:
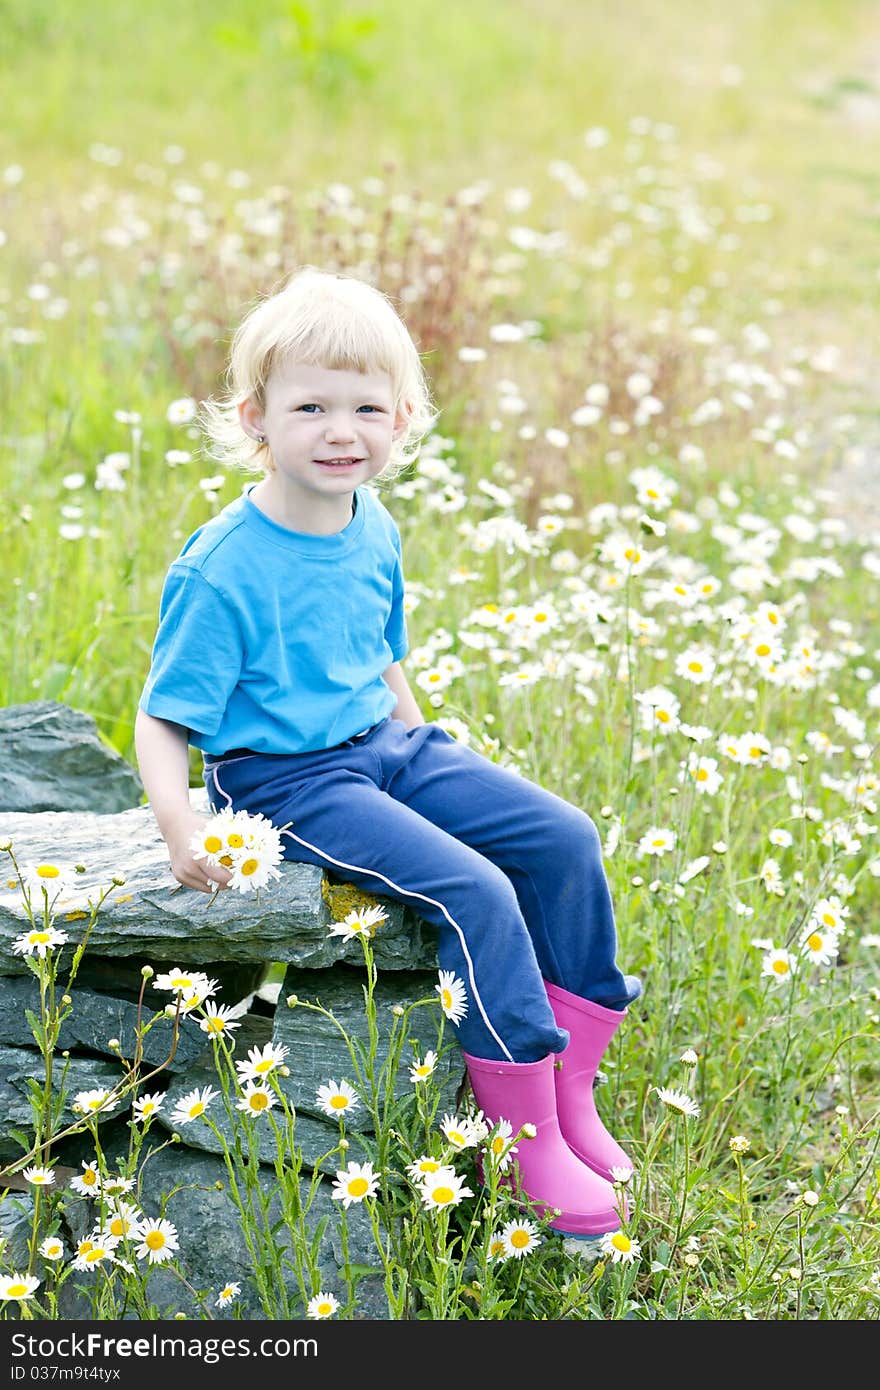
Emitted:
<point x="67" y="811"/>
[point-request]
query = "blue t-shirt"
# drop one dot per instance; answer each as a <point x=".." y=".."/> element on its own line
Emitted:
<point x="276" y="640"/>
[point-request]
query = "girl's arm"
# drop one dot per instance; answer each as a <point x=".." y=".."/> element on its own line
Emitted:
<point x="407" y="708"/>
<point x="162" y="750"/>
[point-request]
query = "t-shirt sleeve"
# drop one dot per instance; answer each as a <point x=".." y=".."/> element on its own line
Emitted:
<point x="395" y="627"/>
<point x="197" y="654"/>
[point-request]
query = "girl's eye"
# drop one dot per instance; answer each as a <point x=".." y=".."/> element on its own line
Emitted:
<point x="309" y="407"/>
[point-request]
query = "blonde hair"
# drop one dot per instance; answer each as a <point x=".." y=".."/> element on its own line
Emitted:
<point x="318" y="318"/>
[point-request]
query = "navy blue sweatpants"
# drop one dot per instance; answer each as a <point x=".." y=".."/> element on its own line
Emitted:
<point x="510" y="875"/>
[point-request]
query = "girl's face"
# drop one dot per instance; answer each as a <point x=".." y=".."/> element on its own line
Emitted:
<point x="328" y="430"/>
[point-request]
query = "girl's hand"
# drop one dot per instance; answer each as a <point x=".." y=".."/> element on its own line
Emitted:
<point x="189" y="871"/>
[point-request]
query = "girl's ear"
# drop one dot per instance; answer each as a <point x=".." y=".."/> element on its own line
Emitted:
<point x="402" y="417"/>
<point x="251" y="417"/>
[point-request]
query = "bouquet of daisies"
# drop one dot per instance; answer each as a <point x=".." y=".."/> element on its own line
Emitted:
<point x="249" y="846"/>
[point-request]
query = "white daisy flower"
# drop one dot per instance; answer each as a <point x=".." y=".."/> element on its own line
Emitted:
<point x="261" y="1061"/>
<point x="185" y="982"/>
<point x="337" y="1100"/>
<point x="453" y="998"/>
<point x="256" y="1099"/>
<point x="820" y="947"/>
<point x="657" y="841"/>
<point x="459" y="1133"/>
<point x="354" y="1183"/>
<point x="158" y="1240"/>
<point x="46" y="882"/>
<point x="40" y="1177"/>
<point x="520" y="1238"/>
<point x="779" y="965"/>
<point x="829" y="915"/>
<point x="679" y="1101"/>
<point x="253" y="869"/>
<point x="227" y="1294"/>
<point x="94" y="1102"/>
<point x="18" y="1287"/>
<point x="192" y="1105"/>
<point x="423" y="1167"/>
<point x="38" y="941"/>
<point x="221" y="1019"/>
<point x="93" y="1251"/>
<point x="52" y="1248"/>
<point x="146" y="1106"/>
<point x="421" y="1070"/>
<point x="88" y="1182"/>
<point x="124" y="1220"/>
<point x="115" y="1183"/>
<point x="323" y="1305"/>
<point x="497" y="1247"/>
<point x="181" y="412"/>
<point x="445" y="1188"/>
<point x="619" y="1247"/>
<point x="361" y="921"/>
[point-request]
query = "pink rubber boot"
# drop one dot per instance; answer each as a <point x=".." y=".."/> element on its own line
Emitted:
<point x="549" y="1173"/>
<point x="591" y="1028"/>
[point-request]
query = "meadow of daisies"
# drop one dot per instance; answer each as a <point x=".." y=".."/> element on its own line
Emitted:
<point x="630" y="578"/>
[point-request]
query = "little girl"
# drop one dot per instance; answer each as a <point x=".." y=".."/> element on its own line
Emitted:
<point x="280" y="637"/>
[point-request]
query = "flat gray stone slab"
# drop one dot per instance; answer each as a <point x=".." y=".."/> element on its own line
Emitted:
<point x="53" y="758"/>
<point x="152" y="918"/>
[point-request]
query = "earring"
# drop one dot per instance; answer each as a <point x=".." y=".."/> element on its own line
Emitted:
<point x="261" y="439"/>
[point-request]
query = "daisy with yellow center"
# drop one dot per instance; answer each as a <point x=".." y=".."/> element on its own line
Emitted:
<point x="695" y="665"/>
<point x="158" y="1241"/>
<point x="497" y="1248"/>
<point x="93" y="1252"/>
<point x="93" y="1102"/>
<point x="45" y="882"/>
<point x="657" y="841"/>
<point x="323" y="1305"/>
<point x="423" y="1167"/>
<point x="361" y="921"/>
<point x="38" y="941"/>
<point x="185" y="982"/>
<point x="261" y="1061"/>
<point x="192" y="1105"/>
<point x="829" y="915"/>
<point x="88" y="1182"/>
<point x="779" y="965"/>
<point x="520" y="1238"/>
<point x="819" y="946"/>
<point x="420" y="1071"/>
<point x="453" y="998"/>
<point x="459" y="1133"/>
<point x="19" y="1287"/>
<point x="52" y="1248"/>
<point x="227" y="1294"/>
<point x="254" y="866"/>
<point x="40" y="1177"/>
<point x="116" y="1183"/>
<point x="679" y="1101"/>
<point x="499" y="1146"/>
<point x="124" y="1221"/>
<point x="354" y="1183"/>
<point x="255" y="1099"/>
<point x="146" y="1106"/>
<point x="220" y="1018"/>
<point x="336" y="1100"/>
<point x="445" y="1188"/>
<point x="619" y="1247"/>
